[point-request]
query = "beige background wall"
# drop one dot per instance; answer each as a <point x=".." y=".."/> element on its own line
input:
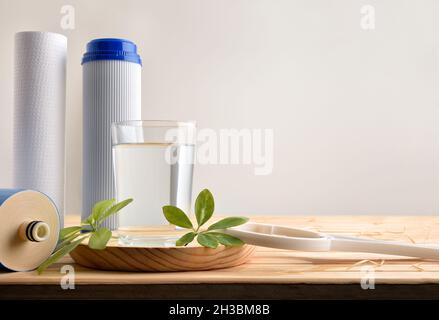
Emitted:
<point x="355" y="113"/>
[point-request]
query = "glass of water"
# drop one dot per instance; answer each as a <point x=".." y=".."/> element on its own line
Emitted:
<point x="153" y="163"/>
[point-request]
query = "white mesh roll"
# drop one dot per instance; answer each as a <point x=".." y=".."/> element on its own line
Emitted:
<point x="39" y="115"/>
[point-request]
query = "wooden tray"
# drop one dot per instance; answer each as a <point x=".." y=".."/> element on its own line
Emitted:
<point x="161" y="259"/>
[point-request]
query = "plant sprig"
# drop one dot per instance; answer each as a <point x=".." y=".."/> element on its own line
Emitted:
<point x="90" y="228"/>
<point x="210" y="237"/>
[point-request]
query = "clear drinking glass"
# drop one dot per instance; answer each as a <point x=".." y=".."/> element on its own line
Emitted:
<point x="153" y="163"/>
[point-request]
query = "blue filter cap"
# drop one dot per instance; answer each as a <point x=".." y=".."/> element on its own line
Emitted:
<point x="111" y="49"/>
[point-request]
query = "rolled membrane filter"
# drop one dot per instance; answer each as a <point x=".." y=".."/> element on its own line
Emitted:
<point x="40" y="86"/>
<point x="29" y="229"/>
<point x="111" y="93"/>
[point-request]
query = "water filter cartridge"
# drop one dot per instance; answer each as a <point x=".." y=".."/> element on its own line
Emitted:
<point x="39" y="112"/>
<point x="111" y="93"/>
<point x="29" y="229"/>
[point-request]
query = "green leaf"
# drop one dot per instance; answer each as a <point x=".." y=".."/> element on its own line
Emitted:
<point x="66" y="232"/>
<point x="115" y="209"/>
<point x="204" y="207"/>
<point x="177" y="217"/>
<point x="71" y="237"/>
<point x="228" y="223"/>
<point x="99" y="239"/>
<point x="59" y="254"/>
<point x="226" y="239"/>
<point x="207" y="240"/>
<point x="185" y="239"/>
<point x="90" y="221"/>
<point x="99" y="209"/>
<point x="68" y="240"/>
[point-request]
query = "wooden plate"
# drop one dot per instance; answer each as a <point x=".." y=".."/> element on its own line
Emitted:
<point x="161" y="259"/>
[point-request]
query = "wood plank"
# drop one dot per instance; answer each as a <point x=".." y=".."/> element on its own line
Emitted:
<point x="280" y="267"/>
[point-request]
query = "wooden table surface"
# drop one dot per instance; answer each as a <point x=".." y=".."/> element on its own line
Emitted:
<point x="270" y="274"/>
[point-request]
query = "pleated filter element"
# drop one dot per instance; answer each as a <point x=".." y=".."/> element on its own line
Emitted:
<point x="111" y="93"/>
<point x="39" y="113"/>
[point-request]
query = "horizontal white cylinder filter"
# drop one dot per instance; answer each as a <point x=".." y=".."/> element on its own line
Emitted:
<point x="20" y="210"/>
